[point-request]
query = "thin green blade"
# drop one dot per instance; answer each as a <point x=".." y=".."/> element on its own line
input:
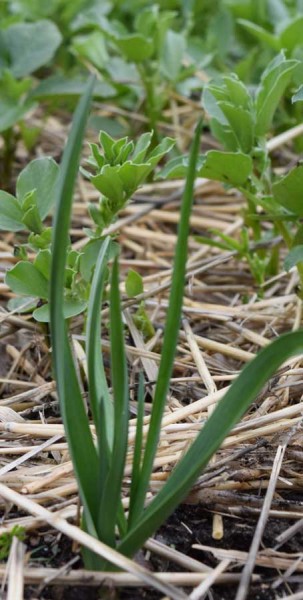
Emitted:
<point x="171" y="328"/>
<point x="80" y="442"/>
<point x="243" y="391"/>
<point x="136" y="467"/>
<point x="111" y="494"/>
<point x="99" y="396"/>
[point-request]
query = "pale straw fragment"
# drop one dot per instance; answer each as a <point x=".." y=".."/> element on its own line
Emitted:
<point x="15" y="584"/>
<point x="89" y="542"/>
<point x="201" y="590"/>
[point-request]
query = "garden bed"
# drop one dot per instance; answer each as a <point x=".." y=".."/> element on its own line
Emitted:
<point x="226" y="321"/>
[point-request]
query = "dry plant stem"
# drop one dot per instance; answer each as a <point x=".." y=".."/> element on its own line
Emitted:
<point x="266" y="558"/>
<point x="65" y="569"/>
<point x="200" y="592"/>
<point x="89" y="542"/>
<point x="173" y="555"/>
<point x="297" y="596"/>
<point x="16" y="463"/>
<point x="284" y="137"/>
<point x="89" y="579"/>
<point x="292" y="569"/>
<point x="217" y="528"/>
<point x="288" y="533"/>
<point x="15" y="571"/>
<point x="248" y="569"/>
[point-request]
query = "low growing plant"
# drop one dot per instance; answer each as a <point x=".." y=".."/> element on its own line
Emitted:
<point x="99" y="464"/>
<point x="143" y="64"/>
<point x="120" y="167"/>
<point x="7" y="538"/>
<point x="24" y="48"/>
<point x="241" y="122"/>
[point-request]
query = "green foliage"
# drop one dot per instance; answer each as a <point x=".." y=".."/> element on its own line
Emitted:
<point x="99" y="469"/>
<point x="106" y="489"/>
<point x="133" y="284"/>
<point x="241" y="121"/>
<point x="228" y="167"/>
<point x="134" y="287"/>
<point x="35" y="196"/>
<point x="7" y="538"/>
<point x="24" y="48"/>
<point x="121" y="167"/>
<point x="287" y="191"/>
<point x="142" y="60"/>
<point x="294" y="257"/>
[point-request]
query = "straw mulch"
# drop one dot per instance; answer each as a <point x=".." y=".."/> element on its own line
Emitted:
<point x="256" y="477"/>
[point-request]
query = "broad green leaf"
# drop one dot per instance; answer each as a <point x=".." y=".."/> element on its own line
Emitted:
<point x="261" y="34"/>
<point x="89" y="256"/>
<point x="133" y="284"/>
<point x="278" y="12"/>
<point x="230" y="167"/>
<point x="146" y="20"/>
<point x="210" y="101"/>
<point x="229" y="104"/>
<point x="10" y="213"/>
<point x="177" y="167"/>
<point x="61" y="85"/>
<point x="298" y="238"/>
<point x="298" y="96"/>
<point x="22" y="305"/>
<point x="42" y="262"/>
<point x="134" y="47"/>
<point x="273" y="83"/>
<point x="93" y="17"/>
<point x="109" y="183"/>
<point x="123" y="152"/>
<point x="132" y="176"/>
<point x="31" y="217"/>
<point x="172" y="55"/>
<point x="288" y="191"/>
<point x="241" y="123"/>
<point x="225" y="135"/>
<point x="30" y="46"/>
<point x="25" y="279"/>
<point x="71" y="308"/>
<point x="91" y="47"/>
<point x="42" y="240"/>
<point x="159" y="151"/>
<point x="120" y="71"/>
<point x="237" y="92"/>
<point x="292" y="34"/>
<point x="294" y="257"/>
<point x="12" y="111"/>
<point x="236" y="401"/>
<point x="40" y="175"/>
<point x="141" y="147"/>
<point x="107" y="143"/>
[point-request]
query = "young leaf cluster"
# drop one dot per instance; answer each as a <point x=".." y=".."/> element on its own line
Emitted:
<point x="120" y="167"/>
<point x="241" y="122"/>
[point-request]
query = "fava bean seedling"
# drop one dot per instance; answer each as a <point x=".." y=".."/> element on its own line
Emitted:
<point x="151" y="299"/>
